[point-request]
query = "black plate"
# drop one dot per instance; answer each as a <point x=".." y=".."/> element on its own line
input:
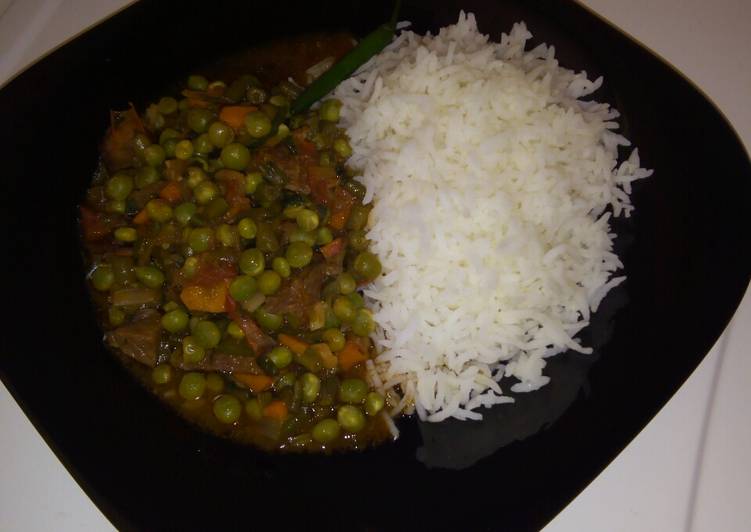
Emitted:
<point x="685" y="250"/>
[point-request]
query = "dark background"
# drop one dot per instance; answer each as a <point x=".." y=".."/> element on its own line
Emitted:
<point x="685" y="252"/>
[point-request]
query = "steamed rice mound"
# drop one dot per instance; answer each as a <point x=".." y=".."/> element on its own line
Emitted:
<point x="493" y="185"/>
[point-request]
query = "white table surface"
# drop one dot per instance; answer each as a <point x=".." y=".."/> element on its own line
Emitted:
<point x="689" y="469"/>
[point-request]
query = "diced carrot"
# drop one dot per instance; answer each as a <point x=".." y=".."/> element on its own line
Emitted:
<point x="211" y="299"/>
<point x="350" y="356"/>
<point x="333" y="248"/>
<point x="295" y="345"/>
<point x="171" y="192"/>
<point x="141" y="218"/>
<point x="256" y="383"/>
<point x="234" y="115"/>
<point x="341" y="206"/>
<point x="276" y="410"/>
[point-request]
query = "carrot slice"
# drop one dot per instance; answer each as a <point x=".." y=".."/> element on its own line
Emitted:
<point x="171" y="192"/>
<point x="211" y="299"/>
<point x="333" y="248"/>
<point x="234" y="115"/>
<point x="256" y="383"/>
<point x="350" y="356"/>
<point x="141" y="218"/>
<point x="295" y="345"/>
<point x="276" y="409"/>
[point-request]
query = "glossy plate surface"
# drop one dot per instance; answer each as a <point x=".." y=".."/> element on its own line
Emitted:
<point x="685" y="252"/>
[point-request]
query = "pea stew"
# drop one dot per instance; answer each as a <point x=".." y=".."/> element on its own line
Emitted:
<point x="227" y="252"/>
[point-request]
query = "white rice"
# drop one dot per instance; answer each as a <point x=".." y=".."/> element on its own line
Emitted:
<point x="493" y="186"/>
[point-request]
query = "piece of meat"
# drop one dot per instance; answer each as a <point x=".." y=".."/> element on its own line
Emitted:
<point x="119" y="145"/>
<point x="140" y="338"/>
<point x="258" y="340"/>
<point x="300" y="294"/>
<point x="225" y="363"/>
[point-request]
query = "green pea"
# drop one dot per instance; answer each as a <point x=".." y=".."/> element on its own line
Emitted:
<point x="169" y="306"/>
<point x="147" y="175"/>
<point x="170" y="147"/>
<point x="190" y="267"/>
<point x="343" y="309"/>
<point x="307" y="220"/>
<point x="119" y="186"/>
<point x="281" y="357"/>
<point x="298" y="235"/>
<point x="329" y="110"/>
<point x="154" y="155"/>
<point x="310" y="360"/>
<point x="326" y="431"/>
<point x="184" y="213"/>
<point x="193" y="352"/>
<point x="235" y="156"/>
<point x="252" y="261"/>
<point x="351" y="418"/>
<point x="346" y="283"/>
<point x="269" y="282"/>
<point x="149" y="276"/>
<point x="242" y="287"/>
<point x="197" y="82"/>
<point x="220" y="134"/>
<point x="207" y="334"/>
<point x="258" y="124"/>
<point x="214" y="382"/>
<point x="324" y="236"/>
<point x="205" y="191"/>
<point x="162" y="374"/>
<point x="202" y="144"/>
<point x="252" y="180"/>
<point x="126" y="234"/>
<point x="192" y="386"/>
<point x="116" y="316"/>
<point x="335" y="339"/>
<point x="355" y="188"/>
<point x="342" y="148"/>
<point x="168" y="134"/>
<point x="253" y="409"/>
<point x="159" y="210"/>
<point x="234" y="330"/>
<point x="353" y="391"/>
<point x="266" y="239"/>
<point x="227" y="408"/>
<point x="281" y="266"/>
<point x="268" y="320"/>
<point x="184" y="149"/>
<point x="102" y="278"/>
<point x="367" y="265"/>
<point x="201" y="239"/>
<point x="291" y="211"/>
<point x="363" y="324"/>
<point x="299" y="254"/>
<point x="374" y="403"/>
<point x="358" y="241"/>
<point x="227" y="235"/>
<point x="175" y="320"/>
<point x="358" y="217"/>
<point x="247" y="228"/>
<point x="216" y="208"/>
<point x="167" y="105"/>
<point x="311" y="385"/>
<point x="117" y="206"/>
<point x="196" y="175"/>
<point x="199" y="120"/>
<point x="356" y="299"/>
